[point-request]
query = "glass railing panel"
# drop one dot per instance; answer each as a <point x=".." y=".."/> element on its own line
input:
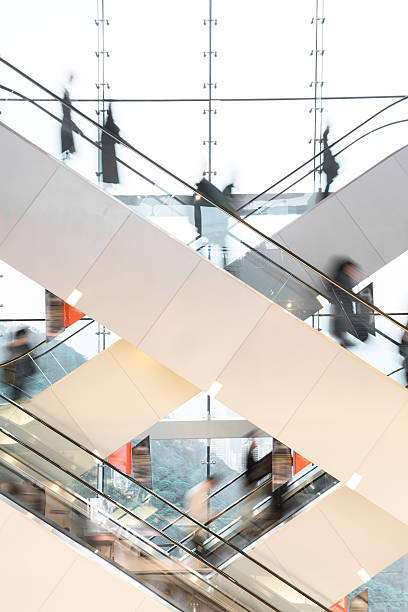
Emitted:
<point x="90" y="523"/>
<point x="114" y="536"/>
<point x="241" y="250"/>
<point x="28" y="375"/>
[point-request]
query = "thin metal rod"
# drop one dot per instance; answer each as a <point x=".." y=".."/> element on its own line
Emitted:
<point x="225" y="210"/>
<point x="288" y="99"/>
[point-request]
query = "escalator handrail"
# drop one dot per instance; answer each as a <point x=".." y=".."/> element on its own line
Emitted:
<point x="34" y="348"/>
<point x="142" y="486"/>
<point x="277" y="195"/>
<point x="224" y="486"/>
<point x="382" y="110"/>
<point x="116" y="523"/>
<point x="246" y="497"/>
<point x="186" y="550"/>
<point x="227" y="211"/>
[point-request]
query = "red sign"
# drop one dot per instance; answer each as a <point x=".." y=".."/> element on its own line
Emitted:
<point x="299" y="462"/>
<point x="122" y="458"/>
<point x="340" y="606"/>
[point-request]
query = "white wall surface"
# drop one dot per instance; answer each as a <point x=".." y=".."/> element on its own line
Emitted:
<point x="41" y="571"/>
<point x="365" y="221"/>
<point x="111" y="398"/>
<point x="199" y="322"/>
<point x="323" y="548"/>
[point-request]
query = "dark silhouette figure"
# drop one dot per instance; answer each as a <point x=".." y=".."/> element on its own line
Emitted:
<point x="67" y="128"/>
<point x="403" y="349"/>
<point x="109" y="164"/>
<point x="330" y="166"/>
<point x="251" y="459"/>
<point x="16" y="372"/>
<point x="210" y="191"/>
<point x="347" y="274"/>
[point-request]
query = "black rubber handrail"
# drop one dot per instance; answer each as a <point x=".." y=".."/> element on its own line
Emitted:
<point x="174" y="542"/>
<point x="318" y="155"/>
<point x="150" y="491"/>
<point x="129" y="513"/>
<point x="280" y="193"/>
<point x="34" y="348"/>
<point x="227" y="211"/>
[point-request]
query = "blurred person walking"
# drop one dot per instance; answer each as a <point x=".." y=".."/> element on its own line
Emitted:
<point x="17" y="372"/>
<point x="403" y="350"/>
<point x="330" y="166"/>
<point x="347" y="274"/>
<point x="109" y="163"/>
<point x="198" y="508"/>
<point x="68" y="127"/>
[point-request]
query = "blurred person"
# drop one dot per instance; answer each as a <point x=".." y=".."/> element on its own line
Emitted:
<point x="330" y="166"/>
<point x="251" y="459"/>
<point x="109" y="163"/>
<point x="346" y="274"/>
<point x="403" y="350"/>
<point x="68" y="127"/>
<point x="22" y="367"/>
<point x="210" y="191"/>
<point x="197" y="506"/>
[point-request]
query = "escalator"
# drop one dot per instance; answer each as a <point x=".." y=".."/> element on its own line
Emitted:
<point x="74" y="359"/>
<point x="198" y="321"/>
<point x="50" y="476"/>
<point x="259" y="510"/>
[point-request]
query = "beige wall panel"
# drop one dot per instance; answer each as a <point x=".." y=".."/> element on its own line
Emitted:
<point x="384" y="469"/>
<point x="19" y="158"/>
<point x="68" y="225"/>
<point x="343" y="415"/>
<point x="314" y="556"/>
<point x="375" y="538"/>
<point x="41" y="571"/>
<point x="28" y="567"/>
<point x="135" y="278"/>
<point x="204" y="324"/>
<point x="105" y="403"/>
<point x="94" y="588"/>
<point x="161" y="388"/>
<point x="274" y="370"/>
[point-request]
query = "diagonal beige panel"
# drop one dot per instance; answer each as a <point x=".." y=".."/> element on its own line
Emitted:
<point x="58" y="575"/>
<point x="384" y="469"/>
<point x="323" y="548"/>
<point x="351" y="222"/>
<point x="112" y="398"/>
<point x="354" y="416"/>
<point x="206" y="325"/>
<point x="207" y="320"/>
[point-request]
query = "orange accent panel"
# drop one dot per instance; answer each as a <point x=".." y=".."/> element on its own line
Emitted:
<point x="340" y="606"/>
<point x="122" y="458"/>
<point x="71" y="315"/>
<point x="299" y="462"/>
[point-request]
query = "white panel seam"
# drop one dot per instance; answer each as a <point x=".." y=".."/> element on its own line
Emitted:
<point x="399" y="163"/>
<point x="57" y="584"/>
<point x="403" y="408"/>
<point x="357" y="560"/>
<point x="30" y="205"/>
<point x="52" y="388"/>
<point x="253" y="328"/>
<point x="361" y="230"/>
<point x="136" y="386"/>
<point x="103" y="250"/>
<point x="179" y="288"/>
<point x="318" y="379"/>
